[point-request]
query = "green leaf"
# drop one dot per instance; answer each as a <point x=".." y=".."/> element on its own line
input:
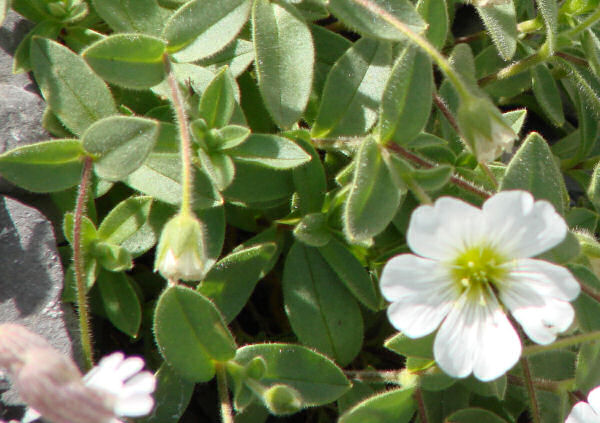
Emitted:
<point x="44" y="167"/>
<point x="218" y="101"/>
<point x="284" y="78"/>
<point x="128" y="60"/>
<point x="191" y="334"/>
<point x="172" y="396"/>
<point x="74" y="93"/>
<point x="406" y="101"/>
<point x="132" y="15"/>
<point x="433" y="179"/>
<point x="378" y="18"/>
<point x="549" y="11"/>
<point x="120" y="144"/>
<point x="313" y="230"/>
<point x="270" y="151"/>
<point x="318" y="380"/>
<point x="202" y="28"/>
<point x="591" y="46"/>
<point x="587" y="374"/>
<point x="586" y="308"/>
<point x="120" y="301"/>
<point x="547" y="94"/>
<point x="395" y="406"/>
<point x="374" y="197"/>
<point x="44" y="29"/>
<point x="495" y="388"/>
<point x="409" y="347"/>
<point x="219" y="167"/>
<point x="237" y="56"/>
<point x="160" y="178"/>
<point x="351" y="272"/>
<point x="125" y="219"/>
<point x="112" y="257"/>
<point x="353" y="90"/>
<point x="474" y="415"/>
<point x="586" y="82"/>
<point x="593" y="191"/>
<point x="323" y="314"/>
<point x="533" y="169"/>
<point x="230" y="282"/>
<point x="435" y="13"/>
<point x="501" y="22"/>
<point x="309" y="179"/>
<point x="255" y="184"/>
<point x="564" y="252"/>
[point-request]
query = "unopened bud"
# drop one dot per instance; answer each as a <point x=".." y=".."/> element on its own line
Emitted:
<point x="181" y="252"/>
<point x="282" y="400"/>
<point x="484" y="129"/>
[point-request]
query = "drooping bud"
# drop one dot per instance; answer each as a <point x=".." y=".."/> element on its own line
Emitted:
<point x="181" y="252"/>
<point x="484" y="129"/>
<point x="282" y="400"/>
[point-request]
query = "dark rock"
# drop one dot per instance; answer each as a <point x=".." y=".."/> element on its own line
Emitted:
<point x="31" y="280"/>
<point x="21" y="107"/>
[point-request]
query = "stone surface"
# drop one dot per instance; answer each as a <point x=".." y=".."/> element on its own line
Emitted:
<point x="21" y="107"/>
<point x="31" y="279"/>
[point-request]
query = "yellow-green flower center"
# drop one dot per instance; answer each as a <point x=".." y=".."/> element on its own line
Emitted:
<point x="478" y="270"/>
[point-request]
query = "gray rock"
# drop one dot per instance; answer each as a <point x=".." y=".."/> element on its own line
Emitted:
<point x="21" y="107"/>
<point x="31" y="279"/>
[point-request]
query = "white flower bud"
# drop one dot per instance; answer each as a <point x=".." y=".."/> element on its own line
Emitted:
<point x="180" y="253"/>
<point x="484" y="129"/>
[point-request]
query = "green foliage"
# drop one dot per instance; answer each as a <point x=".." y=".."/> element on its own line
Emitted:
<point x="313" y="130"/>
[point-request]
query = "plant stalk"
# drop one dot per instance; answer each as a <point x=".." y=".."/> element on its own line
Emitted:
<point x="224" y="398"/>
<point x="78" y="263"/>
<point x="562" y="343"/>
<point x="535" y="410"/>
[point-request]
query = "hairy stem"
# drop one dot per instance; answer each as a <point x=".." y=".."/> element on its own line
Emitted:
<point x="375" y="376"/>
<point x="78" y="263"/>
<point x="562" y="343"/>
<point x="421" y="406"/>
<point x="588" y="22"/>
<point x="224" y="398"/>
<point x="535" y="410"/>
<point x="543" y="384"/>
<point x="184" y="135"/>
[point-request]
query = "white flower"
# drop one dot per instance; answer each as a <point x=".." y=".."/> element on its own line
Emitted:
<point x="122" y="379"/>
<point x="586" y="412"/>
<point x="471" y="265"/>
<point x="120" y="384"/>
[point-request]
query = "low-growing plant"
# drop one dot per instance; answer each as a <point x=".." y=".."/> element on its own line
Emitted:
<point x="244" y="182"/>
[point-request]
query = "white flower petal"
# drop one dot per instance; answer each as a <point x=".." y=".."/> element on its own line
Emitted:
<point x="582" y="413"/>
<point x="30" y="416"/>
<point x="421" y="291"/>
<point x="543" y="324"/>
<point x="134" y="406"/>
<point x="521" y="227"/>
<point x="129" y="367"/>
<point x="477" y="338"/>
<point x="594" y="399"/>
<point x="439" y="231"/>
<point x="545" y="278"/>
<point x="142" y="383"/>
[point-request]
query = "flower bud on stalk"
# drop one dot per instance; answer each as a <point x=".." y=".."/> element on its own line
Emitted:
<point x="484" y="129"/>
<point x="180" y="253"/>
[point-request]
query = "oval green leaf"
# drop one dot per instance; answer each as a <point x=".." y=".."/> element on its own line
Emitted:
<point x="121" y="303"/>
<point x="406" y="101"/>
<point x="383" y="19"/>
<point x="322" y="312"/>
<point x="474" y="415"/>
<point x="202" y="28"/>
<point x="395" y="406"/>
<point x="284" y="60"/>
<point x="128" y="60"/>
<point x="44" y="167"/>
<point x="125" y="219"/>
<point x="231" y="281"/>
<point x="120" y="144"/>
<point x="72" y="90"/>
<point x="318" y="380"/>
<point x="132" y="15"/>
<point x="374" y="197"/>
<point x="501" y="22"/>
<point x="353" y="90"/>
<point x="191" y="334"/>
<point x="270" y="151"/>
